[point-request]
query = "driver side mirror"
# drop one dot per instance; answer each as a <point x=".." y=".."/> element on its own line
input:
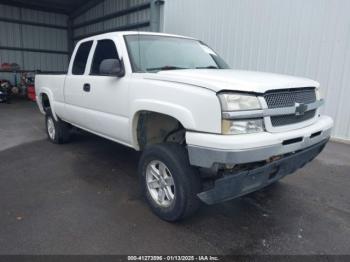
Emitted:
<point x="112" y="67"/>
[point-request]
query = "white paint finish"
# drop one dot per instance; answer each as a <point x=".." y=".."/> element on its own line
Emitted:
<point x="112" y="106"/>
<point x="261" y="140"/>
<point x="195" y="107"/>
<point x="107" y="102"/>
<point x="234" y="80"/>
<point x="297" y="37"/>
<point x="52" y="86"/>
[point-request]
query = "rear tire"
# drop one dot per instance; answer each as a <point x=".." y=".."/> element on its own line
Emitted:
<point x="166" y="174"/>
<point x="58" y="131"/>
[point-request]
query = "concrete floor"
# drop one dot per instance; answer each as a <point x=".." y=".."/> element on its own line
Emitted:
<point x="83" y="198"/>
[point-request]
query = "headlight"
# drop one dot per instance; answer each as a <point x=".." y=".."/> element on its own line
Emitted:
<point x="240" y="102"/>
<point x="236" y="127"/>
<point x="235" y="102"/>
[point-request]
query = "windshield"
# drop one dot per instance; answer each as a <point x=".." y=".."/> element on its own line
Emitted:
<point x="153" y="53"/>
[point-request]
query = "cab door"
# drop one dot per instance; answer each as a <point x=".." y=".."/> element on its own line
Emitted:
<point x="107" y="96"/>
<point x="75" y="87"/>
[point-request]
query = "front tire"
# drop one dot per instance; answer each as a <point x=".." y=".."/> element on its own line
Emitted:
<point x="58" y="131"/>
<point x="170" y="184"/>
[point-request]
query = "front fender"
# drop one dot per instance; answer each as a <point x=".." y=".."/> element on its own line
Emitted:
<point x="180" y="113"/>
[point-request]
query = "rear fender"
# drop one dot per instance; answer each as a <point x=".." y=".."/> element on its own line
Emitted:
<point x="48" y="92"/>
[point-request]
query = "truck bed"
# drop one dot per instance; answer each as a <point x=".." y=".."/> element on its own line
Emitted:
<point x="52" y="85"/>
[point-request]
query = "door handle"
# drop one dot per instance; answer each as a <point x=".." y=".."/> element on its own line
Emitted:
<point x="87" y="87"/>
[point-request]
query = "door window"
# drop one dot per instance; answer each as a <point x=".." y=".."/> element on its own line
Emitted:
<point x="81" y="58"/>
<point x="105" y="49"/>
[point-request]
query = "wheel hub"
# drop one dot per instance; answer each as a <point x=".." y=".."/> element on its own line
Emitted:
<point x="160" y="183"/>
<point x="51" y="128"/>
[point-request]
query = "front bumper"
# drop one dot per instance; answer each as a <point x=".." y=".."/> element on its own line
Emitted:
<point x="206" y="150"/>
<point x="231" y="186"/>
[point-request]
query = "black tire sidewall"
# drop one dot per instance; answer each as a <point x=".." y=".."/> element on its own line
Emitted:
<point x="62" y="129"/>
<point x="180" y="169"/>
<point x="49" y="116"/>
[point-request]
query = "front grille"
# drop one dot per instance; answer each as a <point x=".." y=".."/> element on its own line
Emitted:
<point x="288" y="97"/>
<point x="292" y="119"/>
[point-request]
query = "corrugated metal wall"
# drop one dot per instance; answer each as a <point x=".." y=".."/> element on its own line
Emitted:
<point x="40" y="37"/>
<point x="107" y="7"/>
<point x="29" y="36"/>
<point x="304" y="38"/>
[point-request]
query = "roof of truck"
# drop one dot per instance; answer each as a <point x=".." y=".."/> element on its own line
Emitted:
<point x="122" y="33"/>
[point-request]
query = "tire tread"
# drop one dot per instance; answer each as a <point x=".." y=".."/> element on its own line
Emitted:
<point x="62" y="130"/>
<point x="188" y="175"/>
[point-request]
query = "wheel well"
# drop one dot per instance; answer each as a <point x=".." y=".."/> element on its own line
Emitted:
<point x="45" y="102"/>
<point x="153" y="128"/>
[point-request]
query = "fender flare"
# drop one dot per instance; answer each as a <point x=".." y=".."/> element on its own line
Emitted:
<point x="48" y="92"/>
<point x="180" y="113"/>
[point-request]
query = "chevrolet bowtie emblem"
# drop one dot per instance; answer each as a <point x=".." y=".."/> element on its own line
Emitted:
<point x="300" y="109"/>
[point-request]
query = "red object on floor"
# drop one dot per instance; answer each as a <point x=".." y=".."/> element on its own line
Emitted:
<point x="6" y="66"/>
<point x="31" y="92"/>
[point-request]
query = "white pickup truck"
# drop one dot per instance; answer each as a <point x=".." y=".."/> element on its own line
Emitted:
<point x="206" y="132"/>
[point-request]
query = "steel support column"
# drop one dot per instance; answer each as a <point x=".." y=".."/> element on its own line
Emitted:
<point x="155" y="14"/>
<point x="70" y="36"/>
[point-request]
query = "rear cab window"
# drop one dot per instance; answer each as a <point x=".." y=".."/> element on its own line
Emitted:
<point x="81" y="57"/>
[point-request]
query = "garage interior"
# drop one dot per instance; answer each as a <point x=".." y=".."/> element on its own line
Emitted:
<point x="84" y="197"/>
<point x="40" y="35"/>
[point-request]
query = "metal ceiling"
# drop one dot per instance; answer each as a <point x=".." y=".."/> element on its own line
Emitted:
<point x="56" y="6"/>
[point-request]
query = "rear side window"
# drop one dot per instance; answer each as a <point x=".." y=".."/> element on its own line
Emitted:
<point x="105" y="49"/>
<point x="81" y="58"/>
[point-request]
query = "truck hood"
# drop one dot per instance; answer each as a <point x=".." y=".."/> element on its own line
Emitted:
<point x="235" y="80"/>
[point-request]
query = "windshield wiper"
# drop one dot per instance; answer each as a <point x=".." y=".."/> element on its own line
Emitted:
<point x="207" y="67"/>
<point x="165" y="68"/>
